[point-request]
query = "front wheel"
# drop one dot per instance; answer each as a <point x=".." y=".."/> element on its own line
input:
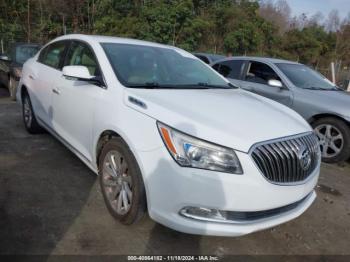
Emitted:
<point x="334" y="138"/>
<point x="121" y="182"/>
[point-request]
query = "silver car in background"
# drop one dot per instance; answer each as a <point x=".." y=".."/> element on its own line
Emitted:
<point x="325" y="106"/>
<point x="208" y="58"/>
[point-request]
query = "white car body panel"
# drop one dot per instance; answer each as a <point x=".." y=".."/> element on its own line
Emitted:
<point x="81" y="112"/>
<point x="217" y="115"/>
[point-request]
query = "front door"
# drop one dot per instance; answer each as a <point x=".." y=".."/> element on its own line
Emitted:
<point x="256" y="78"/>
<point x="74" y="101"/>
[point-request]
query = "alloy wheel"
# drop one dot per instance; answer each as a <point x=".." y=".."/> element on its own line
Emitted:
<point x="116" y="182"/>
<point x="331" y="140"/>
<point x="27" y="111"/>
<point x="11" y="87"/>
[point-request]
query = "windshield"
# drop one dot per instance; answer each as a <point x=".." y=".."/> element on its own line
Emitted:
<point x="156" y="67"/>
<point x="304" y="77"/>
<point x="23" y="53"/>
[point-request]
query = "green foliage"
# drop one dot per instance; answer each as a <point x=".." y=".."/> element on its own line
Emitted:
<point x="219" y="26"/>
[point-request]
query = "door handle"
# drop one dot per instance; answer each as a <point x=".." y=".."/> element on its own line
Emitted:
<point x="32" y="77"/>
<point x="56" y="91"/>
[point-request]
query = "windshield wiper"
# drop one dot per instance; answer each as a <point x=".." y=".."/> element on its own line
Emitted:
<point x="156" y="85"/>
<point x="203" y="85"/>
<point x="228" y="86"/>
<point x="149" y="85"/>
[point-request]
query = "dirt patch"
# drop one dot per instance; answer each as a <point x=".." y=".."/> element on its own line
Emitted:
<point x="328" y="190"/>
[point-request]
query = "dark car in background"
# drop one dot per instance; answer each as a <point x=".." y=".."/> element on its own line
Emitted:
<point x="208" y="58"/>
<point x="11" y="64"/>
<point x="324" y="105"/>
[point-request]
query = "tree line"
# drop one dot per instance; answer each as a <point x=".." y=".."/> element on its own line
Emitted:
<point x="235" y="27"/>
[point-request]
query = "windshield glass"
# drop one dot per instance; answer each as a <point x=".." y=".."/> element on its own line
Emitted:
<point x="147" y="66"/>
<point x="23" y="53"/>
<point x="304" y="77"/>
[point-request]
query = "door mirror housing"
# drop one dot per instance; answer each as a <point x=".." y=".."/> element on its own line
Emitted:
<point x="79" y="72"/>
<point x="4" y="58"/>
<point x="275" y="83"/>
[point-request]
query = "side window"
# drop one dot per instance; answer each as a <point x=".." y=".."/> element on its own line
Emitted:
<point x="204" y="59"/>
<point x="52" y="55"/>
<point x="80" y="54"/>
<point x="216" y="67"/>
<point x="260" y="73"/>
<point x="12" y="53"/>
<point x="231" y="69"/>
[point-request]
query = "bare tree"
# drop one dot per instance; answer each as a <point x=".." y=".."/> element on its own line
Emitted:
<point x="333" y="21"/>
<point x="316" y="19"/>
<point x="278" y="13"/>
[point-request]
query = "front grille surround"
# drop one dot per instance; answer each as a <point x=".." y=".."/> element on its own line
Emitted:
<point x="280" y="161"/>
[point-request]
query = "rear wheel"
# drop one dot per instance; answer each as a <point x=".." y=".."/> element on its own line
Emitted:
<point x="29" y="118"/>
<point x="334" y="137"/>
<point x="121" y="182"/>
<point x="12" y="87"/>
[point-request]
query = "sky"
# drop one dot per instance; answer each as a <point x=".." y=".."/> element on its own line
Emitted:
<point x="311" y="7"/>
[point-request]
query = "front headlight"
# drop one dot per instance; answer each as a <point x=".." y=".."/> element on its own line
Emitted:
<point x="189" y="151"/>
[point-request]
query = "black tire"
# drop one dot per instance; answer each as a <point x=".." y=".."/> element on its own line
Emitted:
<point x="29" y="119"/>
<point x="344" y="129"/>
<point x="12" y="88"/>
<point x="138" y="204"/>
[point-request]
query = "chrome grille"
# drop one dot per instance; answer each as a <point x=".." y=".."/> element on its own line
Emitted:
<point x="288" y="160"/>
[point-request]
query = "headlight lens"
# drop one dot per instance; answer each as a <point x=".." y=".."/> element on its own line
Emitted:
<point x="189" y="151"/>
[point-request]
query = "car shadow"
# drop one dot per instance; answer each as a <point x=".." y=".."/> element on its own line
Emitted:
<point x="40" y="198"/>
<point x="4" y="93"/>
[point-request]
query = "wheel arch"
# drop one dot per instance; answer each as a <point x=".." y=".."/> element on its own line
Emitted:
<point x="107" y="135"/>
<point x="312" y="119"/>
<point x="24" y="90"/>
<point x="103" y="138"/>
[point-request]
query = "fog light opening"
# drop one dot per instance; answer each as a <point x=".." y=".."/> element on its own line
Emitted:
<point x="205" y="214"/>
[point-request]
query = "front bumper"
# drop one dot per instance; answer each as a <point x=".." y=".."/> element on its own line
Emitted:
<point x="170" y="188"/>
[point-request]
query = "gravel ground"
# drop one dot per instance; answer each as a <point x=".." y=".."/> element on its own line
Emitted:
<point x="50" y="203"/>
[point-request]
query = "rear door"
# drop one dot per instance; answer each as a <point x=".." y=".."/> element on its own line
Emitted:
<point x="232" y="70"/>
<point x="44" y="73"/>
<point x="255" y="79"/>
<point x="74" y="102"/>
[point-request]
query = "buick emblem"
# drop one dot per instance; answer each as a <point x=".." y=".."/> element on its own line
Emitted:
<point x="304" y="157"/>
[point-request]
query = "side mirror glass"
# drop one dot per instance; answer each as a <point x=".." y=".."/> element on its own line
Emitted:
<point x="4" y="58"/>
<point x="78" y="72"/>
<point x="275" y="83"/>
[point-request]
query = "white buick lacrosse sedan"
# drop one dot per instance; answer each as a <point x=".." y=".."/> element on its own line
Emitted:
<point x="169" y="135"/>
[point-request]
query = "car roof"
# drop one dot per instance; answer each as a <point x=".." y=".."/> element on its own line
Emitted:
<point x="258" y="59"/>
<point x="112" y="39"/>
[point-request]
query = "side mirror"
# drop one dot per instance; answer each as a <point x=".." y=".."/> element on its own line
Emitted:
<point x="78" y="72"/>
<point x="4" y="58"/>
<point x="81" y="73"/>
<point x="275" y="83"/>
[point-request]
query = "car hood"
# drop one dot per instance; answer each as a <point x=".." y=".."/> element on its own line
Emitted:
<point x="233" y="118"/>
